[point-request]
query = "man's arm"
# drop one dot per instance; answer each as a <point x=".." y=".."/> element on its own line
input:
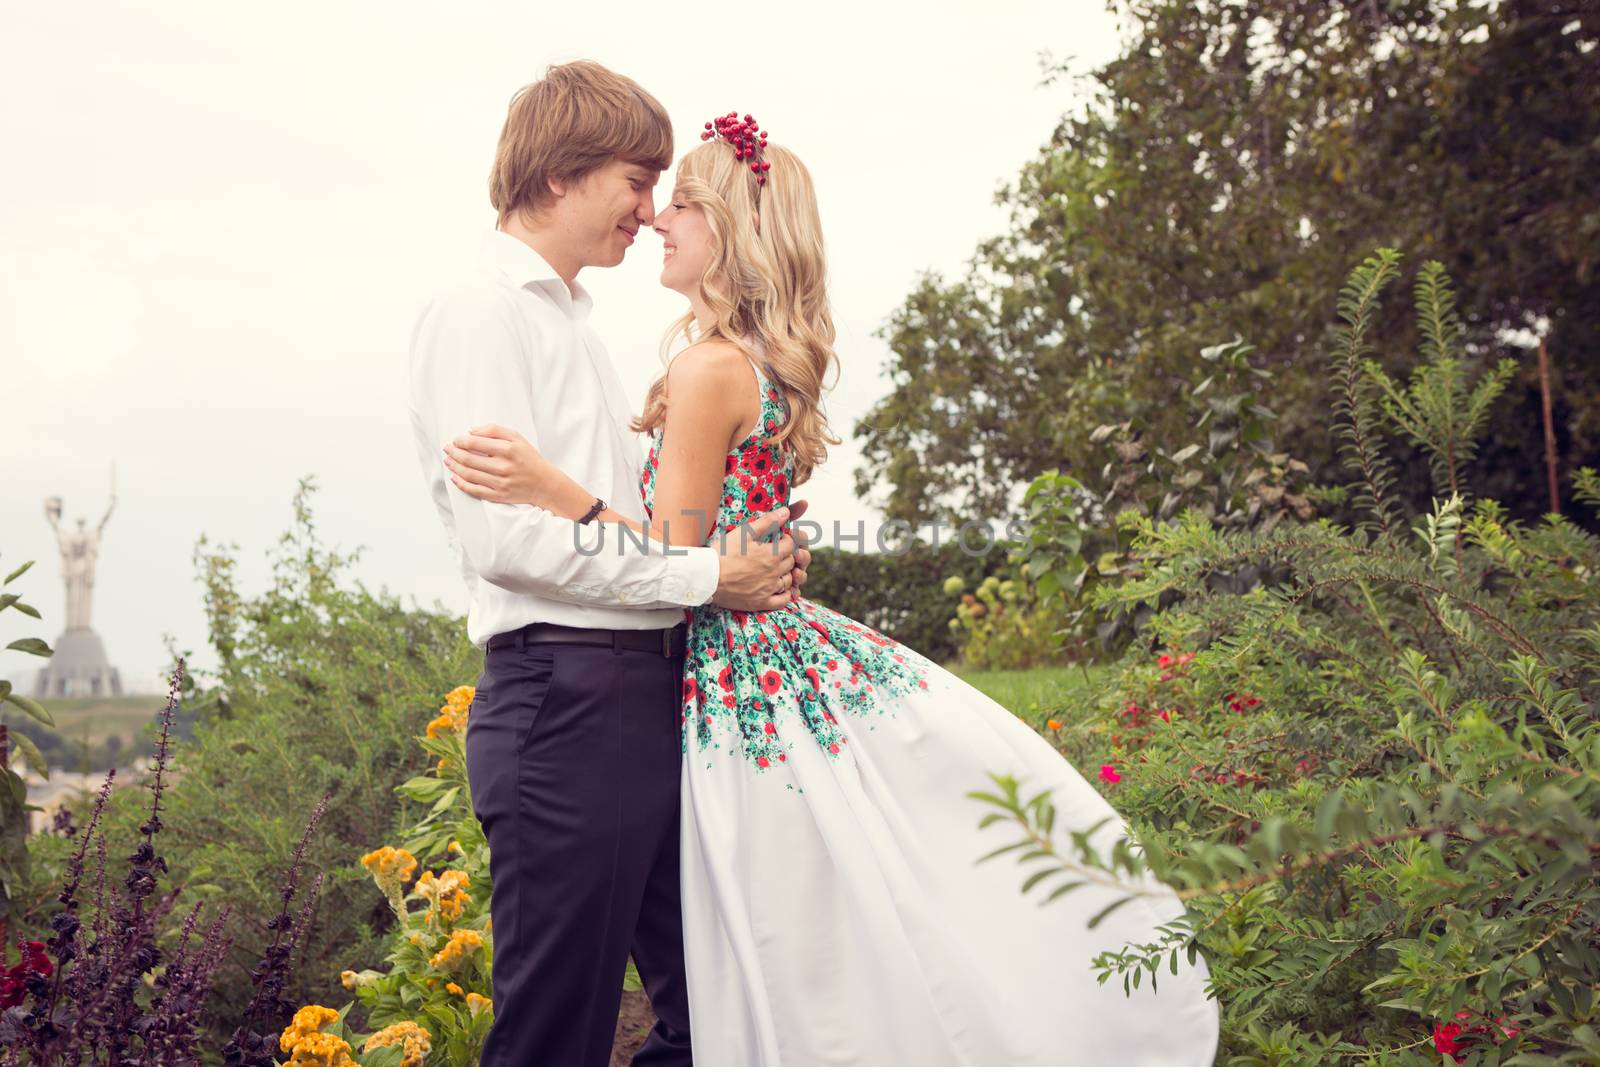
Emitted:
<point x="468" y="367"/>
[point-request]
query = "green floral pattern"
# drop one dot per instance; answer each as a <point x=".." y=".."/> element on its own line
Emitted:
<point x="760" y="683"/>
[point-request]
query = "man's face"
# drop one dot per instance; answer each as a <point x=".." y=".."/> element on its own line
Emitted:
<point x="600" y="215"/>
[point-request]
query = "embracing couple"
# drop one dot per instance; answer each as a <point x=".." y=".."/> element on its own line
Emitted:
<point x="675" y="756"/>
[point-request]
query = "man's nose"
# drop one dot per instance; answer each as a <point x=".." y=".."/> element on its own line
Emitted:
<point x="645" y="210"/>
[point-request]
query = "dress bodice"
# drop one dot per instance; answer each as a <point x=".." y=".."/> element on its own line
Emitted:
<point x="756" y="472"/>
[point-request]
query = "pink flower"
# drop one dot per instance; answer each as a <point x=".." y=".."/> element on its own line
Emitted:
<point x="1108" y="773"/>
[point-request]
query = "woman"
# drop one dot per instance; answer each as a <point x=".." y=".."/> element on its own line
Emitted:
<point x="833" y="909"/>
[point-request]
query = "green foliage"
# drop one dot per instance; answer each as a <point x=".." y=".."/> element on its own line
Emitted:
<point x="1441" y="410"/>
<point x="1233" y="474"/>
<point x="1220" y="176"/>
<point x="442" y="987"/>
<point x="1373" y="774"/>
<point x="899" y="593"/>
<point x="14" y="806"/>
<point x="320" y="688"/>
<point x="1004" y="625"/>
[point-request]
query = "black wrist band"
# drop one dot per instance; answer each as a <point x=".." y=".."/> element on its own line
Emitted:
<point x="594" y="509"/>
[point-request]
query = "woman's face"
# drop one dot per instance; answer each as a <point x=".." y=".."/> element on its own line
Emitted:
<point x="688" y="242"/>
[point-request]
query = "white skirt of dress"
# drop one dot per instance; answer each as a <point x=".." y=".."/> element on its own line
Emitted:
<point x="834" y="913"/>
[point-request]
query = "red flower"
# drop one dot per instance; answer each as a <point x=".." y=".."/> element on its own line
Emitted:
<point x="1108" y="773"/>
<point x="783" y="757"/>
<point x="814" y="677"/>
<point x="1164" y="661"/>
<point x="761" y="761"/>
<point x="725" y="678"/>
<point x="1444" y="1040"/>
<point x="769" y="729"/>
<point x="771" y="682"/>
<point x="689" y="689"/>
<point x="758" y="499"/>
<point x="834" y="749"/>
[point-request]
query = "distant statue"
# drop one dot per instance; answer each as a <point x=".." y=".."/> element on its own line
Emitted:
<point x="79" y="667"/>
<point x="80" y="549"/>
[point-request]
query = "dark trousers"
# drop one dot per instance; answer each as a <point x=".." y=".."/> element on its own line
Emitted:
<point x="573" y="758"/>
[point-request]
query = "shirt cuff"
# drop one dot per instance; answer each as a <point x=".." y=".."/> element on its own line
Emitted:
<point x="692" y="577"/>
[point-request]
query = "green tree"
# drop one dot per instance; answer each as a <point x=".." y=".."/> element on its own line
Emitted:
<point x="1223" y="172"/>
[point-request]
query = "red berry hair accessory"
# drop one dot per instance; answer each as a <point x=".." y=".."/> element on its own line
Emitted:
<point x="746" y="137"/>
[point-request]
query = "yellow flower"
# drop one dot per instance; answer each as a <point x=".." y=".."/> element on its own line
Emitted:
<point x="446" y="894"/>
<point x="391" y="868"/>
<point x="416" y="1041"/>
<point x="347" y="979"/>
<point x="461" y="945"/>
<point x="1053" y="724"/>
<point x="455" y="849"/>
<point x="452" y="988"/>
<point x="444" y="761"/>
<point x="304" y="1038"/>
<point x="453" y="716"/>
<point x="476" y="1003"/>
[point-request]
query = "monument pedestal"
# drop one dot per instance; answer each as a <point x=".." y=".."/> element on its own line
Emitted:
<point x="79" y="668"/>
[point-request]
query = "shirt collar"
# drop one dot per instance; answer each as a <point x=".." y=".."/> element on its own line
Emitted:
<point x="526" y="268"/>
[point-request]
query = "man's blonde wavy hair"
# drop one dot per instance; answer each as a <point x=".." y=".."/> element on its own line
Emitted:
<point x="766" y="286"/>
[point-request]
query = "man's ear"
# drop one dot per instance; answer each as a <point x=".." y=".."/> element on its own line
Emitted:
<point x="557" y="186"/>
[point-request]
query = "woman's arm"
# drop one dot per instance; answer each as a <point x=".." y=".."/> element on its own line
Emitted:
<point x="499" y="465"/>
<point x="712" y="398"/>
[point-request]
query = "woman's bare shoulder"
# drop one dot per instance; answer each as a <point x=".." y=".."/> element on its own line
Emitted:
<point x="712" y="362"/>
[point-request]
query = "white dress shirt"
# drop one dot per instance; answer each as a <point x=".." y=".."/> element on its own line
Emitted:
<point x="514" y="346"/>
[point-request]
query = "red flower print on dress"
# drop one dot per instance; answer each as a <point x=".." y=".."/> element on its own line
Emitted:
<point x="771" y="682"/>
<point x="725" y="677"/>
<point x="769" y="729"/>
<point x="689" y="689"/>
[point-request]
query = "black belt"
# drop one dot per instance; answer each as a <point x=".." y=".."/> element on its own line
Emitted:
<point x="668" y="642"/>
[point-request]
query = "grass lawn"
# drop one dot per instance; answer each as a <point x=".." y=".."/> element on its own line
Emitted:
<point x="1037" y="694"/>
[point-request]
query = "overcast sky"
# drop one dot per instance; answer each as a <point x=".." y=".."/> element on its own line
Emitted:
<point x="218" y="223"/>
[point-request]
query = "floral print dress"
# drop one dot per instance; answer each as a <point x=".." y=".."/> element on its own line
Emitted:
<point x="834" y="913"/>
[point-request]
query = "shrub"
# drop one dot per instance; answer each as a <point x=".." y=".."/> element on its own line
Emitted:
<point x="900" y="593"/>
<point x="1003" y="625"/>
<point x="104" y="990"/>
<point x="319" y="686"/>
<point x="14" y="806"/>
<point x="1372" y="771"/>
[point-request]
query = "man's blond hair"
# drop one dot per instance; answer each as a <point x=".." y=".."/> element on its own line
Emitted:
<point x="574" y="121"/>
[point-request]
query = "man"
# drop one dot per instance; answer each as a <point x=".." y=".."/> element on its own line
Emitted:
<point x="573" y="738"/>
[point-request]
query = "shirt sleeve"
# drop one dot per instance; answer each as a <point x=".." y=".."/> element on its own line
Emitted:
<point x="472" y="362"/>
